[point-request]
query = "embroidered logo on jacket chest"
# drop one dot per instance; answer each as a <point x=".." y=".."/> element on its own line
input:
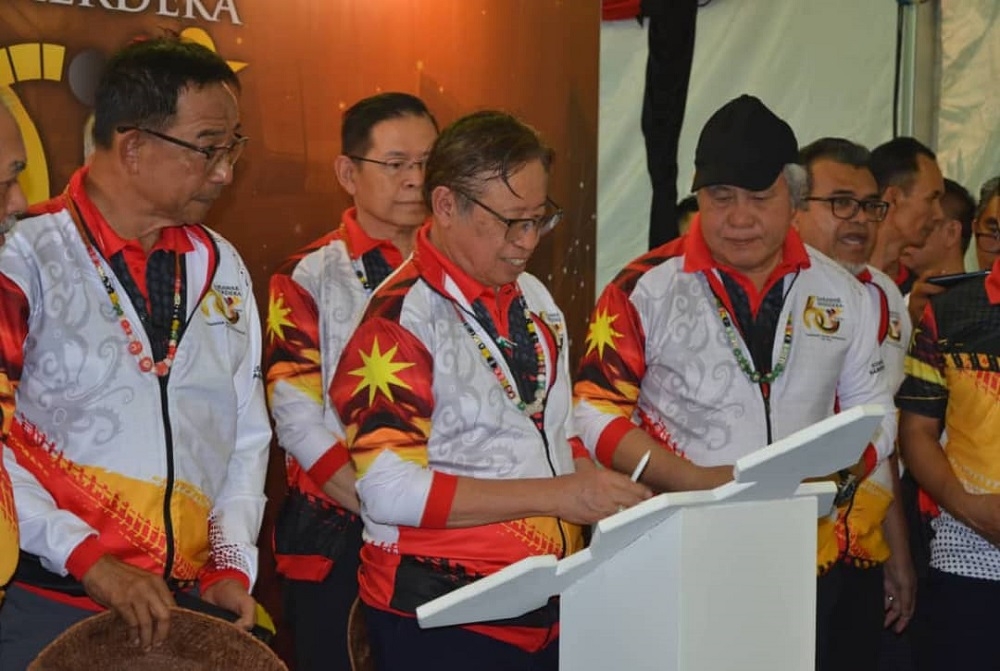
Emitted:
<point x="223" y="304"/>
<point x="823" y="317"/>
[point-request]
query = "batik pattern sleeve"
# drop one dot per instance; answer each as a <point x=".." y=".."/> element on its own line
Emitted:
<point x="295" y="387"/>
<point x="234" y="523"/>
<point x="383" y="392"/>
<point x="610" y="374"/>
<point x="924" y="390"/>
<point x="864" y="379"/>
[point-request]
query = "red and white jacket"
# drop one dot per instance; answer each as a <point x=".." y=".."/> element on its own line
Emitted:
<point x="422" y="407"/>
<point x="658" y="356"/>
<point x="166" y="474"/>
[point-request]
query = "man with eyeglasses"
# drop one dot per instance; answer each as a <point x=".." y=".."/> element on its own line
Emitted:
<point x="948" y="432"/>
<point x="737" y="334"/>
<point x="456" y="398"/>
<point x="910" y="180"/>
<point x="866" y="578"/>
<point x="987" y="224"/>
<point x="134" y="426"/>
<point x="315" y="300"/>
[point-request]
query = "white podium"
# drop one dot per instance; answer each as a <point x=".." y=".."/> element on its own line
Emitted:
<point x="690" y="581"/>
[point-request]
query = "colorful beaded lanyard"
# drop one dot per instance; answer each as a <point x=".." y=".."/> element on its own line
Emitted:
<point x="135" y="346"/>
<point x="537" y="404"/>
<point x="756" y="376"/>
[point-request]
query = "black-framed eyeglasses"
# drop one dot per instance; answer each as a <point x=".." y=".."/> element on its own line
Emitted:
<point x="394" y="167"/>
<point x="213" y="155"/>
<point x="845" y="207"/>
<point x="519" y="227"/>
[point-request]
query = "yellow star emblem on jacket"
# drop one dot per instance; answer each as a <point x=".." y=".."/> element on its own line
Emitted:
<point x="378" y="372"/>
<point x="277" y="317"/>
<point x="601" y="333"/>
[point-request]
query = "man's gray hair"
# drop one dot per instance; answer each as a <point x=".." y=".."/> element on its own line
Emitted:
<point x="798" y="183"/>
<point x="990" y="190"/>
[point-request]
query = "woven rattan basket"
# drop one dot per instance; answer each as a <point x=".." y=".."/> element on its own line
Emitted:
<point x="195" y="642"/>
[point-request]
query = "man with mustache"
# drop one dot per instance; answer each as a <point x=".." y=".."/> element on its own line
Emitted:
<point x="134" y="425"/>
<point x="315" y="301"/>
<point x="855" y="596"/>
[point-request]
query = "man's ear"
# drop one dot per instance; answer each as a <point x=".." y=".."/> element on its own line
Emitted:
<point x="346" y="171"/>
<point x="444" y="205"/>
<point x="953" y="233"/>
<point x="892" y="195"/>
<point x="797" y="215"/>
<point x="127" y="146"/>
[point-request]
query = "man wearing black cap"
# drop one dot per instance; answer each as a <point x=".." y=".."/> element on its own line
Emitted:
<point x="734" y="336"/>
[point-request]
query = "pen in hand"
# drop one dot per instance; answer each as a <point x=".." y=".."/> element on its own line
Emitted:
<point x="641" y="466"/>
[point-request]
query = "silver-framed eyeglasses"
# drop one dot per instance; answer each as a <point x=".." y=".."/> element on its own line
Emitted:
<point x="845" y="207"/>
<point x="518" y="227"/>
<point x="394" y="167"/>
<point x="214" y="154"/>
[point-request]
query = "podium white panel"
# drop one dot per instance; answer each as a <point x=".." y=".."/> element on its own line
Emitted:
<point x="733" y="587"/>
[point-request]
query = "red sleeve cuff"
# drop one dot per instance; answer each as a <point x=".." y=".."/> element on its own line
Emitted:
<point x="870" y="459"/>
<point x="211" y="576"/>
<point x="578" y="449"/>
<point x="84" y="556"/>
<point x="439" y="501"/>
<point x="332" y="461"/>
<point x="610" y="437"/>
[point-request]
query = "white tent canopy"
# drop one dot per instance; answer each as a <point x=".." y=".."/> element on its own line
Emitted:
<point x="826" y="67"/>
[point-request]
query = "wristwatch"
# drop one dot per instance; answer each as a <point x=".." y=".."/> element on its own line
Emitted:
<point x="847" y="484"/>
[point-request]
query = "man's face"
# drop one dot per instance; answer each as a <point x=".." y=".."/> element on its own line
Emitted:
<point x="388" y="198"/>
<point x="477" y="241"/>
<point x="12" y="162"/>
<point x="745" y="230"/>
<point x="178" y="183"/>
<point x="987" y="230"/>
<point x="849" y="242"/>
<point x="914" y="211"/>
<point x="931" y="254"/>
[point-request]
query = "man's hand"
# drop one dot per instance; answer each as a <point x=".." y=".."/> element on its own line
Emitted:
<point x="139" y="597"/>
<point x="900" y="584"/>
<point x="340" y="488"/>
<point x="231" y="595"/>
<point x="592" y="494"/>
<point x="920" y="294"/>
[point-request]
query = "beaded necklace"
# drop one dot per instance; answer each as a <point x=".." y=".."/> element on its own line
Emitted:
<point x="135" y="346"/>
<point x="537" y="404"/>
<point x="756" y="376"/>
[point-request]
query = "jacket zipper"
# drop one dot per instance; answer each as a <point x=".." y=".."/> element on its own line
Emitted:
<point x="168" y="522"/>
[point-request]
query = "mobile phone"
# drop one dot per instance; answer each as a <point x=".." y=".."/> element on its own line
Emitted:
<point x="955" y="278"/>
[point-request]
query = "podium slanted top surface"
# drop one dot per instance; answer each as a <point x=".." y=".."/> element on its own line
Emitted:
<point x="773" y="472"/>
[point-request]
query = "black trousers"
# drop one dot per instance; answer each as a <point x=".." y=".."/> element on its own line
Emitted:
<point x="399" y="644"/>
<point x="960" y="622"/>
<point x="849" y="617"/>
<point x="317" y="612"/>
